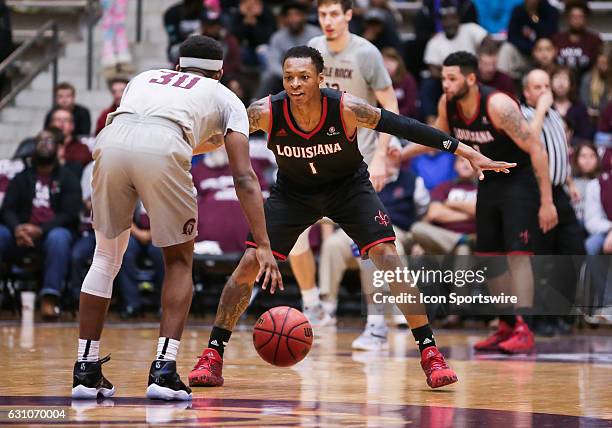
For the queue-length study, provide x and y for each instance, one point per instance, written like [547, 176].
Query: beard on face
[45, 157]
[461, 93]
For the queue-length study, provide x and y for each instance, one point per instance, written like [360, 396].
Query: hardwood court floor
[568, 383]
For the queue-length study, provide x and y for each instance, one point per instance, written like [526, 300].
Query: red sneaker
[207, 371]
[436, 369]
[491, 343]
[522, 340]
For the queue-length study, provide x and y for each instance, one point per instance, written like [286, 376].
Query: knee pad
[105, 265]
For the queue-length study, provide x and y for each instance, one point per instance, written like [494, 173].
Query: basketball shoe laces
[436, 362]
[205, 362]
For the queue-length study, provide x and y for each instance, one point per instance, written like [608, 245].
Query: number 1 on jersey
[312, 168]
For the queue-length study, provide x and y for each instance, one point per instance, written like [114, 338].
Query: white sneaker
[318, 316]
[373, 338]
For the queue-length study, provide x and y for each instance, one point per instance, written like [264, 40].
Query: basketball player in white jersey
[145, 152]
[353, 65]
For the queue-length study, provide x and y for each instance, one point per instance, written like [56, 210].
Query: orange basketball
[282, 336]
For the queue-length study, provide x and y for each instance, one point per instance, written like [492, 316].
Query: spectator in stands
[585, 167]
[392, 15]
[181, 21]
[116, 87]
[83, 249]
[377, 32]
[65, 99]
[220, 222]
[237, 86]
[253, 24]
[450, 222]
[434, 166]
[569, 105]
[6, 43]
[73, 152]
[139, 245]
[296, 31]
[598, 215]
[454, 37]
[427, 23]
[604, 129]
[116, 55]
[544, 54]
[488, 74]
[494, 15]
[530, 21]
[41, 212]
[212, 26]
[404, 84]
[597, 84]
[406, 199]
[577, 47]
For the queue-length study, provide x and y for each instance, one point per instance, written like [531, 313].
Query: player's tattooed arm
[506, 115]
[259, 115]
[358, 113]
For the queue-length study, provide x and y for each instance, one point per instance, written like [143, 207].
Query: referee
[567, 237]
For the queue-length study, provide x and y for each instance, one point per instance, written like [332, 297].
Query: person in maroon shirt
[488, 73]
[577, 47]
[41, 212]
[74, 152]
[404, 84]
[116, 87]
[568, 105]
[451, 218]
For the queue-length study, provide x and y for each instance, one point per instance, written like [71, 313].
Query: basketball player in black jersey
[509, 206]
[312, 133]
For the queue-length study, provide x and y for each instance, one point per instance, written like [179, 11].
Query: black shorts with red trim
[351, 202]
[507, 214]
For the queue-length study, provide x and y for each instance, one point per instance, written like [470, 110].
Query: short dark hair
[56, 109]
[293, 5]
[118, 79]
[201, 47]
[306, 52]
[346, 5]
[577, 4]
[56, 134]
[65, 85]
[467, 62]
[488, 47]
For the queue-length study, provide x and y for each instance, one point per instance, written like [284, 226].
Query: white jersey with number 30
[203, 107]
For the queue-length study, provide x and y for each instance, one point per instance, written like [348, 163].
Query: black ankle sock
[508, 319]
[424, 337]
[218, 339]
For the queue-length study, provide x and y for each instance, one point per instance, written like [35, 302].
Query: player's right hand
[547, 216]
[268, 269]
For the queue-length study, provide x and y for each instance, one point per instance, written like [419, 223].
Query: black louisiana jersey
[311, 159]
[479, 131]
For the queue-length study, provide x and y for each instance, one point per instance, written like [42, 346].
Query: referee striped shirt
[553, 137]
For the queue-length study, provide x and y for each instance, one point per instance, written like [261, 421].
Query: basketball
[282, 336]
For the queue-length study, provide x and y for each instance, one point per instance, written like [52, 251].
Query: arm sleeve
[413, 130]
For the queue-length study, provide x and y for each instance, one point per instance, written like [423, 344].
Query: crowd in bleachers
[431, 196]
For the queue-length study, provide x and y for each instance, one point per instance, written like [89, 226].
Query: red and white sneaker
[436, 368]
[522, 340]
[491, 343]
[207, 371]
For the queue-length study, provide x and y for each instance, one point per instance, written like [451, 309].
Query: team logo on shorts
[332, 132]
[382, 218]
[189, 226]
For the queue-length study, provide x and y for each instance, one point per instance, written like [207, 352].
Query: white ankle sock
[89, 350]
[167, 349]
[310, 298]
[376, 321]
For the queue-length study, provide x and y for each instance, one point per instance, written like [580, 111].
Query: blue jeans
[81, 252]
[594, 244]
[128, 275]
[56, 248]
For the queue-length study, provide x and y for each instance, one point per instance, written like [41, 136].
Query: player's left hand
[269, 269]
[378, 172]
[482, 163]
[547, 217]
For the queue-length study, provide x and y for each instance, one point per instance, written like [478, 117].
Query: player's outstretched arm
[359, 114]
[259, 115]
[506, 115]
[251, 201]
